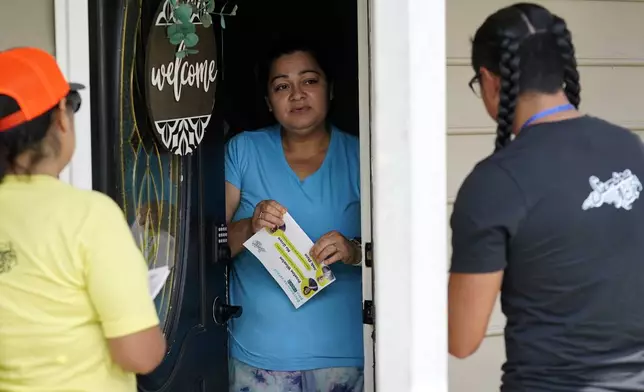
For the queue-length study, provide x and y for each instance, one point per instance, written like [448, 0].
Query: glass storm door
[161, 193]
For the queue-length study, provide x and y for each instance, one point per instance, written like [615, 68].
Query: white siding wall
[609, 38]
[27, 23]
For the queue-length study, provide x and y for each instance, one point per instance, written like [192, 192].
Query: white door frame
[409, 194]
[71, 21]
[408, 177]
[364, 107]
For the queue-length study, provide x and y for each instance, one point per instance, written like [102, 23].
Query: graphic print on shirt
[621, 191]
[8, 258]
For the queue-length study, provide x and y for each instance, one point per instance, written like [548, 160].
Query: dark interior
[240, 100]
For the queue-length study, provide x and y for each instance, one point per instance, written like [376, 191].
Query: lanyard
[547, 112]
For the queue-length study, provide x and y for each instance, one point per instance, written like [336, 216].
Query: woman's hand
[333, 247]
[269, 214]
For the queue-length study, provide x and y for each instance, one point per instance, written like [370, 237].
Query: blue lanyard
[547, 112]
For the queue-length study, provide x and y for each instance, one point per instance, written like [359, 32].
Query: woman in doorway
[75, 310]
[552, 219]
[309, 168]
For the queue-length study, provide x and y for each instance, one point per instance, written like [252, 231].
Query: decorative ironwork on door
[161, 191]
[149, 176]
[151, 198]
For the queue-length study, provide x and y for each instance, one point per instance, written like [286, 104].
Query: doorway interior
[332, 23]
[340, 29]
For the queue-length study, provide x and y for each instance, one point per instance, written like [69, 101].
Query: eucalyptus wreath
[182, 30]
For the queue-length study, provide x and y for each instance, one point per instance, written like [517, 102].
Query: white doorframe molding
[409, 201]
[71, 21]
[364, 107]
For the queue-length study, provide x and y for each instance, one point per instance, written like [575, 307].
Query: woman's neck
[23, 166]
[530, 104]
[309, 143]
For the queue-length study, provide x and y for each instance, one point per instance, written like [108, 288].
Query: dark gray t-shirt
[559, 211]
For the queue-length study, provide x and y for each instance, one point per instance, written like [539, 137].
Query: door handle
[222, 312]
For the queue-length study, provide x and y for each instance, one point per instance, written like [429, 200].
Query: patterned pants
[245, 378]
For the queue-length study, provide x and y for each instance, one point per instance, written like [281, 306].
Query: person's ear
[268, 103]
[62, 117]
[490, 91]
[331, 88]
[490, 85]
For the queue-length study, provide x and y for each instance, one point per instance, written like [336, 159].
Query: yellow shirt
[71, 276]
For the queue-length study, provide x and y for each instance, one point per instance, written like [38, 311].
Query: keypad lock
[221, 250]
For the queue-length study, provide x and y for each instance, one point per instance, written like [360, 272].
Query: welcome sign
[180, 91]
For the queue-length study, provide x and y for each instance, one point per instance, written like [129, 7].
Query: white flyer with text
[284, 252]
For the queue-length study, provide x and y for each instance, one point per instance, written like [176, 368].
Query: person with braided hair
[552, 220]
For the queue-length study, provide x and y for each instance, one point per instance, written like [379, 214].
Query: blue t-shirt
[326, 331]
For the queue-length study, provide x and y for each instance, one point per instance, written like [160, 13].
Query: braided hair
[510, 74]
[531, 50]
[567, 49]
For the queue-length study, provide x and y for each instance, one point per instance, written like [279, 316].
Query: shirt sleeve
[488, 209]
[235, 164]
[116, 273]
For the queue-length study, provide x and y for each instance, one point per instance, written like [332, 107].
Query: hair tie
[529, 25]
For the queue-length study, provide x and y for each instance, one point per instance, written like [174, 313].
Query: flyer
[284, 253]
[157, 278]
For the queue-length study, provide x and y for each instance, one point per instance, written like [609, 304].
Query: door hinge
[368, 312]
[368, 254]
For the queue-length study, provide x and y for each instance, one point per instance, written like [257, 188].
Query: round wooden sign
[180, 89]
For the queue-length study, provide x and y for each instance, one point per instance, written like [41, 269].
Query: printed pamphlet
[284, 252]
[157, 278]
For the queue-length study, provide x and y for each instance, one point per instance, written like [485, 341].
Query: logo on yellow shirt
[8, 258]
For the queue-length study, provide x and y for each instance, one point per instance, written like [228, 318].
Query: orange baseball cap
[33, 79]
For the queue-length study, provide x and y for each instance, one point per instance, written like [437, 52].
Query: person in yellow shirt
[76, 314]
